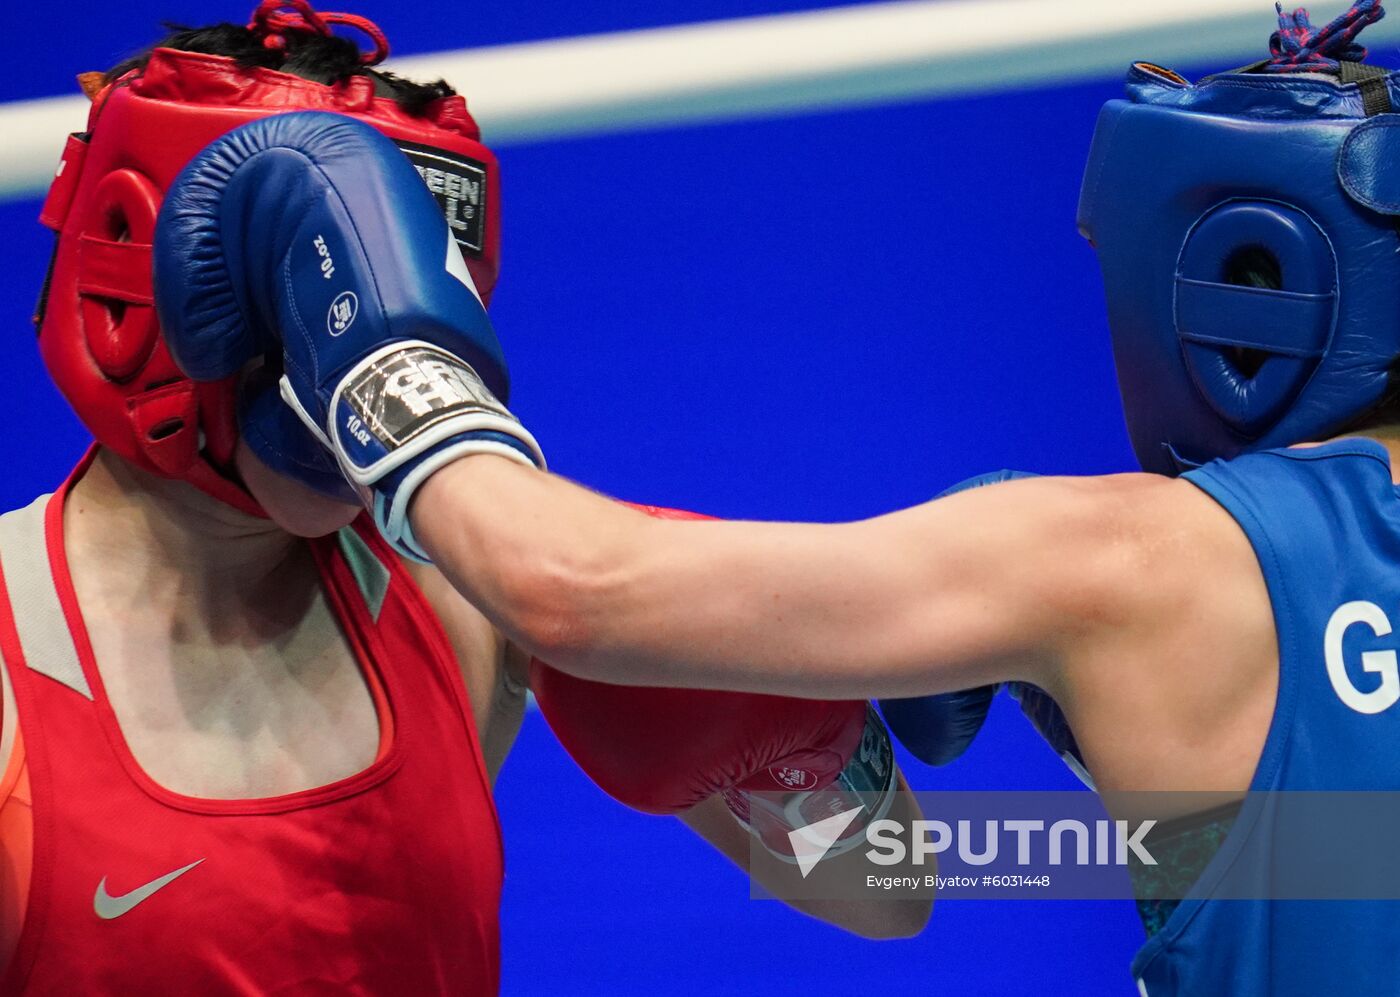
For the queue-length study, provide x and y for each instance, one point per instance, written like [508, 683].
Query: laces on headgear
[275, 19]
[1297, 46]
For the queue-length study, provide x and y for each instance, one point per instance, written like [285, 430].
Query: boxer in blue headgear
[1221, 623]
[1246, 232]
[1246, 229]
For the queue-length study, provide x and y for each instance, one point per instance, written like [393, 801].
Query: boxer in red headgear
[236, 761]
[97, 327]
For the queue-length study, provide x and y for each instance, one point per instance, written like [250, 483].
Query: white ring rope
[864, 54]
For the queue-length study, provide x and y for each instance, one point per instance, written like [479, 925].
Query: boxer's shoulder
[1189, 655]
[25, 567]
[1086, 555]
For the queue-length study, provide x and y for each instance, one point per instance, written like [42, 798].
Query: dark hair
[1386, 413]
[312, 56]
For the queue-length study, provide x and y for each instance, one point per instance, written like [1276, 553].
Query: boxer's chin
[299, 510]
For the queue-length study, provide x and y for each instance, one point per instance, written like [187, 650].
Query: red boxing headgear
[97, 327]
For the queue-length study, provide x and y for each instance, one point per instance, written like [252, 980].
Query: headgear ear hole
[113, 224]
[1250, 342]
[164, 430]
[120, 326]
[1253, 266]
[1247, 362]
[116, 310]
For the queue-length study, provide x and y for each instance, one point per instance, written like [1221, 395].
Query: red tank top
[387, 882]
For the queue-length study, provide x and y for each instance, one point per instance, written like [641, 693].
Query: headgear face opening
[1246, 228]
[98, 332]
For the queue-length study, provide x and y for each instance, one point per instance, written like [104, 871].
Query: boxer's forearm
[930, 599]
[608, 593]
[523, 548]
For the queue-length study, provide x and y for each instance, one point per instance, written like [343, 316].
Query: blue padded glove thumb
[276, 434]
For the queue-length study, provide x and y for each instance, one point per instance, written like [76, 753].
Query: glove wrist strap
[400, 414]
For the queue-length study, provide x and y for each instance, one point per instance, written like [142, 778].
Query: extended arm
[974, 588]
[1009, 582]
[1134, 600]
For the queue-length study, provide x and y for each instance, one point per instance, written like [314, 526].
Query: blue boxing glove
[273, 431]
[938, 729]
[310, 237]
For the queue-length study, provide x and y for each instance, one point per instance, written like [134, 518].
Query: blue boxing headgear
[1247, 232]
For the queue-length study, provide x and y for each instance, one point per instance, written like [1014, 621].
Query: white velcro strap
[411, 396]
[392, 517]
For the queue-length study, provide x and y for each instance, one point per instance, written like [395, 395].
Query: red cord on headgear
[273, 19]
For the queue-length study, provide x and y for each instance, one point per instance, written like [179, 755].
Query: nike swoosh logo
[108, 907]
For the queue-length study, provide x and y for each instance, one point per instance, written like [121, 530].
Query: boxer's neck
[126, 524]
[221, 659]
[1390, 439]
[1386, 436]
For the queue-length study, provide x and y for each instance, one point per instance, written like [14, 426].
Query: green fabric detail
[371, 575]
[1183, 848]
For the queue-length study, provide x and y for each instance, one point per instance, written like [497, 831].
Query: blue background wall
[817, 317]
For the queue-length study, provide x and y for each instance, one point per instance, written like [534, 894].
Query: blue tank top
[1325, 525]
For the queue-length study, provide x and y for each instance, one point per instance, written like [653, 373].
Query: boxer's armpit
[507, 708]
[494, 672]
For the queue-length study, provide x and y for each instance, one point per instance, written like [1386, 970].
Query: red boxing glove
[663, 751]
